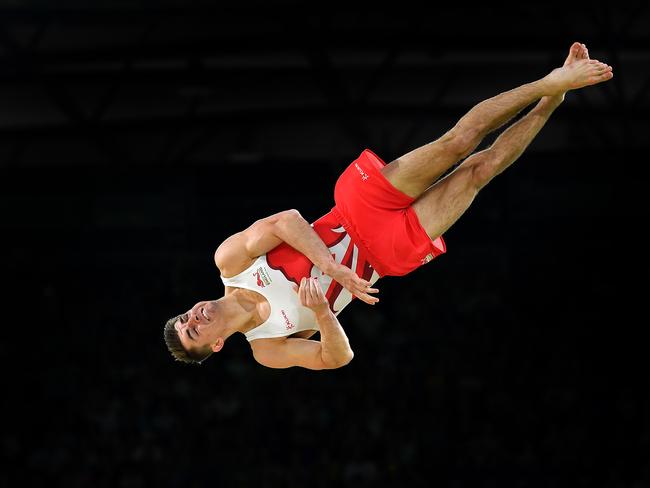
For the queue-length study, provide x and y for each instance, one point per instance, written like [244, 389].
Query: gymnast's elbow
[347, 357]
[342, 359]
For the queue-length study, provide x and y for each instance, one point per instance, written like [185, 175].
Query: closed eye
[189, 335]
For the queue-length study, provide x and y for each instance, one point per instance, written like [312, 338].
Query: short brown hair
[176, 348]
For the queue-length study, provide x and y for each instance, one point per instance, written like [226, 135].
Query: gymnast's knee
[462, 139]
[483, 168]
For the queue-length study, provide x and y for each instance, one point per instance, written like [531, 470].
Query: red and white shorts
[380, 218]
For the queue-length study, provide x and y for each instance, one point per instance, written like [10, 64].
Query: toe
[575, 48]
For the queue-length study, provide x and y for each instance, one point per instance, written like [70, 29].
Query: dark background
[135, 137]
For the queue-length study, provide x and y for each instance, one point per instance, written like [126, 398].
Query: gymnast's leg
[444, 202]
[417, 170]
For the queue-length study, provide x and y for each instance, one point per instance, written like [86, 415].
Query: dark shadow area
[132, 145]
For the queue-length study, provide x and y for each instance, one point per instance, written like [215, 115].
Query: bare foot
[578, 71]
[576, 51]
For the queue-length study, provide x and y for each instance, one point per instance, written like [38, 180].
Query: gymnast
[286, 279]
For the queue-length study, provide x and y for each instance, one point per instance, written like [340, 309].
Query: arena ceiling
[117, 84]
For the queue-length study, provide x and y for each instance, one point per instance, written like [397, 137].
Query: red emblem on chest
[259, 280]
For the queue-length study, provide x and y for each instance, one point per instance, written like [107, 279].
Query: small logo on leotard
[427, 258]
[261, 277]
[287, 321]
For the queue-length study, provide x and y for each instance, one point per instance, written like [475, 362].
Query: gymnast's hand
[312, 296]
[359, 288]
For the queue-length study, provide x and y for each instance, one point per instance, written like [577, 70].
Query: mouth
[204, 314]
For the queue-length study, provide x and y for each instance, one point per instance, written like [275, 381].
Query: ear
[218, 344]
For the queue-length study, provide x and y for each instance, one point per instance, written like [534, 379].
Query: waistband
[356, 238]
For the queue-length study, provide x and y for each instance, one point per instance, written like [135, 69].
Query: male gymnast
[286, 279]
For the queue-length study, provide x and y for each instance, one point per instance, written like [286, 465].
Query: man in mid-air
[285, 279]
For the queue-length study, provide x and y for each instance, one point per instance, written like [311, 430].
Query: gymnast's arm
[238, 251]
[333, 351]
[265, 234]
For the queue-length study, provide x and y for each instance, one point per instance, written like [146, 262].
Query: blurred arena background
[135, 137]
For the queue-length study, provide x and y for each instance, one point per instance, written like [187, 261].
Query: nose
[196, 316]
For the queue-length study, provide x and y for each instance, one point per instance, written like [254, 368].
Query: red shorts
[380, 218]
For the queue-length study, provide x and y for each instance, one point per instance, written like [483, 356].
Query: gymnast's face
[199, 329]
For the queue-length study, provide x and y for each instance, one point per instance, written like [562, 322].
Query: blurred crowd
[463, 375]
